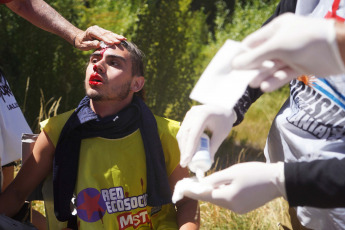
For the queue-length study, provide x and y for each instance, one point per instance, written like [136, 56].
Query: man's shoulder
[163, 121]
[58, 119]
[167, 126]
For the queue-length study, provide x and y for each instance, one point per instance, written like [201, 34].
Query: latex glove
[199, 118]
[297, 45]
[90, 39]
[240, 188]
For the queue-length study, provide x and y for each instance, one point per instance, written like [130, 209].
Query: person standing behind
[119, 160]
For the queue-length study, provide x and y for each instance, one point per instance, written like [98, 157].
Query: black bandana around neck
[84, 123]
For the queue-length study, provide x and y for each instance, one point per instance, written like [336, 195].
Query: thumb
[216, 179]
[88, 45]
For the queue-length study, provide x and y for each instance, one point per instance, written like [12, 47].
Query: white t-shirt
[311, 124]
[12, 124]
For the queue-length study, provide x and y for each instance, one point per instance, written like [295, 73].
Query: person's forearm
[188, 214]
[243, 104]
[8, 175]
[319, 183]
[10, 202]
[42, 15]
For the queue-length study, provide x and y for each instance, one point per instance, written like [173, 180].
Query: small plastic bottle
[201, 161]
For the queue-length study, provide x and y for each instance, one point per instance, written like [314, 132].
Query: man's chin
[95, 97]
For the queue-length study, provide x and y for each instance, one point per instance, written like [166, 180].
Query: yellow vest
[111, 183]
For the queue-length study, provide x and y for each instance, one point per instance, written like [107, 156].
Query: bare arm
[42, 15]
[188, 212]
[33, 171]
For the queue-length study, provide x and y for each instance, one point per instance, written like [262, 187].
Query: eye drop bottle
[201, 161]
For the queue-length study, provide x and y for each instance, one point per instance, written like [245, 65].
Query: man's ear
[137, 84]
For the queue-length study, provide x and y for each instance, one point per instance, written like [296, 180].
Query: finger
[253, 58]
[88, 45]
[220, 178]
[279, 79]
[260, 48]
[206, 196]
[181, 140]
[266, 32]
[98, 33]
[191, 138]
[182, 137]
[265, 72]
[259, 36]
[191, 187]
[215, 141]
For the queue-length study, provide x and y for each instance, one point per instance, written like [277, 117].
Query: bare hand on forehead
[90, 38]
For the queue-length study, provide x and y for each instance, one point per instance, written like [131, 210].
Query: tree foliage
[178, 37]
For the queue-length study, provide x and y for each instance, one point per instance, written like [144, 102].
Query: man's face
[109, 74]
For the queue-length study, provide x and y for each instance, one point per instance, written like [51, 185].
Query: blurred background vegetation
[179, 39]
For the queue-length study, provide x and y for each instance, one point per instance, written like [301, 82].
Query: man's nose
[98, 68]
[95, 68]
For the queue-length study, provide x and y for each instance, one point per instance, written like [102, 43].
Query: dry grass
[48, 109]
[266, 217]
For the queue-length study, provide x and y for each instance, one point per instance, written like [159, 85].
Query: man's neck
[110, 107]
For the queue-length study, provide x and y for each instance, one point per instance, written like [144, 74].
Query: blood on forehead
[104, 48]
[103, 51]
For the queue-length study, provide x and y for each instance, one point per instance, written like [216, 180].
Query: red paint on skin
[103, 51]
[95, 78]
[95, 68]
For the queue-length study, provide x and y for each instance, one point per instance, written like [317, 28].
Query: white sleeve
[12, 124]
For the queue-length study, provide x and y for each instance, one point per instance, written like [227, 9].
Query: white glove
[198, 119]
[297, 45]
[240, 188]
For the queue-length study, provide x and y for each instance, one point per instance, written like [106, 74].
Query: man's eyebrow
[109, 56]
[116, 56]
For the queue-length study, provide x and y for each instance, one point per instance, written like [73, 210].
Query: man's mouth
[95, 79]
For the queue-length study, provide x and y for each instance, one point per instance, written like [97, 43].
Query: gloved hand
[241, 188]
[297, 45]
[198, 119]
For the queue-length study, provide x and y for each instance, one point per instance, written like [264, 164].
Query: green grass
[255, 126]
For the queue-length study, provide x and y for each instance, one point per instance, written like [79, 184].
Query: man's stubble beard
[122, 95]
